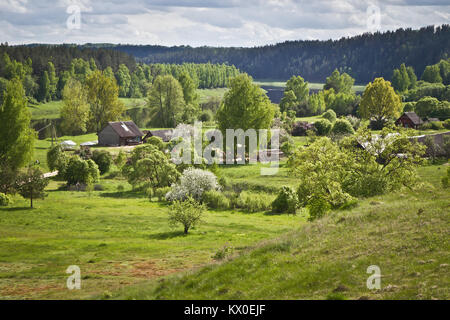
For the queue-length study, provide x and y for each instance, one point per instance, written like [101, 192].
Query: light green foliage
[317, 206]
[166, 102]
[161, 193]
[323, 127]
[103, 159]
[215, 200]
[157, 142]
[295, 95]
[120, 159]
[123, 80]
[245, 106]
[330, 115]
[446, 179]
[380, 102]
[286, 201]
[80, 171]
[254, 201]
[103, 98]
[16, 136]
[150, 167]
[432, 74]
[429, 107]
[5, 200]
[446, 124]
[80, 69]
[57, 159]
[187, 213]
[32, 184]
[75, 110]
[342, 127]
[316, 103]
[342, 103]
[339, 83]
[400, 78]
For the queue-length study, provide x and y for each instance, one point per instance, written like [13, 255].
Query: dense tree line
[364, 57]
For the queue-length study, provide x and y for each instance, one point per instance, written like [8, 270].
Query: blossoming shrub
[193, 182]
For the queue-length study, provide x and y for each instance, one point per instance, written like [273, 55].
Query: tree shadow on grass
[16, 209]
[167, 235]
[124, 194]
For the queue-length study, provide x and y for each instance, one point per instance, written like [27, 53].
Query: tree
[191, 97]
[340, 83]
[103, 98]
[286, 201]
[188, 213]
[57, 159]
[79, 171]
[75, 111]
[150, 167]
[380, 102]
[44, 88]
[123, 80]
[166, 101]
[16, 136]
[32, 184]
[429, 107]
[245, 106]
[432, 74]
[53, 80]
[295, 95]
[103, 160]
[330, 115]
[323, 127]
[342, 127]
[193, 183]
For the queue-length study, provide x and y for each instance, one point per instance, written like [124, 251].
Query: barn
[165, 135]
[120, 133]
[409, 120]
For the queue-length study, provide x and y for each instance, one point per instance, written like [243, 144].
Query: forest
[364, 57]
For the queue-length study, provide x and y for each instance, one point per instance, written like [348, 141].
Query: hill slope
[405, 234]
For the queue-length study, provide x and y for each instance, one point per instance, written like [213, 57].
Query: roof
[165, 135]
[433, 119]
[413, 117]
[126, 129]
[68, 143]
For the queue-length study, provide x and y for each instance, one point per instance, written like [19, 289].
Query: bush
[354, 121]
[254, 202]
[318, 207]
[446, 179]
[215, 200]
[323, 127]
[437, 125]
[224, 252]
[157, 142]
[206, 116]
[330, 115]
[4, 200]
[57, 159]
[103, 160]
[287, 148]
[193, 182]
[301, 127]
[286, 201]
[342, 127]
[80, 171]
[161, 193]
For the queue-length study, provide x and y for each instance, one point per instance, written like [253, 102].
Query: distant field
[205, 94]
[312, 86]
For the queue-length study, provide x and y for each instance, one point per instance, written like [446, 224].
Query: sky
[209, 22]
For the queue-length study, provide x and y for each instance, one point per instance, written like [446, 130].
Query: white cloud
[208, 22]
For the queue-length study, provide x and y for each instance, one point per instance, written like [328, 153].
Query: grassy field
[404, 233]
[116, 238]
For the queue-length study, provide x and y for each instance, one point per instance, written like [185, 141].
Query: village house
[120, 133]
[409, 120]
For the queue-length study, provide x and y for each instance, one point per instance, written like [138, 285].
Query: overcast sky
[208, 22]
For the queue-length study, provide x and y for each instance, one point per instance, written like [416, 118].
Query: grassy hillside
[405, 233]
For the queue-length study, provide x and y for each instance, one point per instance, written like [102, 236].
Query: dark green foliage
[342, 127]
[446, 179]
[103, 159]
[32, 184]
[429, 107]
[330, 115]
[215, 200]
[80, 171]
[286, 201]
[323, 127]
[206, 116]
[4, 200]
[317, 206]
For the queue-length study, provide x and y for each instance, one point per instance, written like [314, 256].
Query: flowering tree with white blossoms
[193, 183]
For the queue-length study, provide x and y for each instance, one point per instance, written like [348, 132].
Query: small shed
[165, 135]
[120, 133]
[409, 120]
